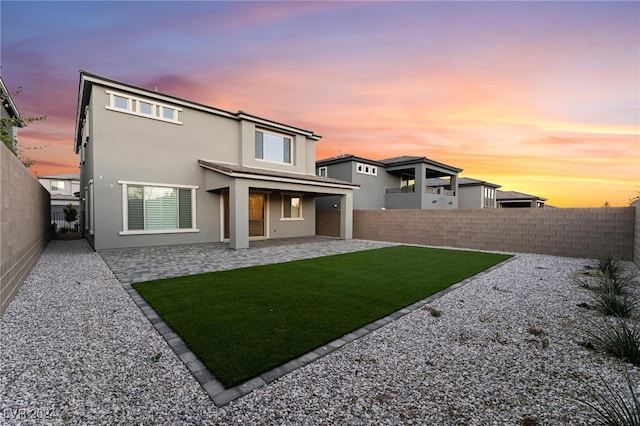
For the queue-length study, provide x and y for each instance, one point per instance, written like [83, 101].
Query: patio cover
[238, 179]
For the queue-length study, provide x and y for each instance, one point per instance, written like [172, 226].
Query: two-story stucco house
[393, 183]
[156, 169]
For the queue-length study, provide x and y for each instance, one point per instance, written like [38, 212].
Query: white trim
[91, 208]
[125, 211]
[323, 169]
[86, 208]
[164, 185]
[274, 162]
[159, 231]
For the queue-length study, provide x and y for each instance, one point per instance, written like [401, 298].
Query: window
[489, 198]
[120, 102]
[291, 206]
[366, 169]
[146, 108]
[272, 147]
[322, 171]
[57, 185]
[155, 208]
[142, 107]
[169, 114]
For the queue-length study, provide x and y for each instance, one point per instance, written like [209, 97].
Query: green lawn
[244, 322]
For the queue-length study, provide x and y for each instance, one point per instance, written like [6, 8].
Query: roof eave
[11, 106]
[87, 79]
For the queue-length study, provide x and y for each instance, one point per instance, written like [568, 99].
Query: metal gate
[63, 230]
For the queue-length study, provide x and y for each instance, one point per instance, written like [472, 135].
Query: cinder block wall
[24, 224]
[586, 232]
[636, 235]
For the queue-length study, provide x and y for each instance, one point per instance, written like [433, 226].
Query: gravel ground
[76, 350]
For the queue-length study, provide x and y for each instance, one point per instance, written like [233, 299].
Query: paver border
[221, 396]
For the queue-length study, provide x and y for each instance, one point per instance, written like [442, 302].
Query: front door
[256, 215]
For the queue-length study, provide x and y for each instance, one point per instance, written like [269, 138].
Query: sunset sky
[539, 97]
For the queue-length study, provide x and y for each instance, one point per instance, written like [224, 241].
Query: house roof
[516, 196]
[408, 159]
[343, 158]
[9, 105]
[461, 182]
[388, 162]
[266, 174]
[465, 181]
[70, 176]
[87, 79]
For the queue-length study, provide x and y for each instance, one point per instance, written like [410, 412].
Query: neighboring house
[393, 183]
[157, 170]
[9, 111]
[64, 190]
[513, 199]
[472, 193]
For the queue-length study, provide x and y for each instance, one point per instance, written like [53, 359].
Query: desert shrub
[617, 337]
[611, 408]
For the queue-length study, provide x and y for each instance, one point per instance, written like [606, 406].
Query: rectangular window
[366, 169]
[489, 198]
[142, 107]
[57, 185]
[120, 102]
[322, 171]
[272, 147]
[158, 208]
[146, 108]
[291, 206]
[169, 113]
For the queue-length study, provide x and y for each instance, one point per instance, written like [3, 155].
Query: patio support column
[346, 216]
[239, 214]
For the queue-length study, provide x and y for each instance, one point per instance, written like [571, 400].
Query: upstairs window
[273, 147]
[489, 197]
[57, 185]
[142, 107]
[366, 169]
[322, 171]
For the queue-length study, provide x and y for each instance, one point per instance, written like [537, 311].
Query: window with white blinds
[155, 208]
